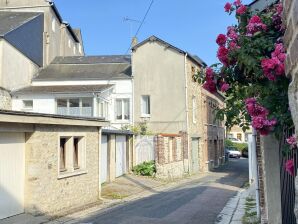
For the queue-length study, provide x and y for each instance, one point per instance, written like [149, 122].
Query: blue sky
[191, 25]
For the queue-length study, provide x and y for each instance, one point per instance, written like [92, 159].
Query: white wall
[16, 69]
[41, 104]
[46, 103]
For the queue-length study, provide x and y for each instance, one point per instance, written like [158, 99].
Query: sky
[191, 25]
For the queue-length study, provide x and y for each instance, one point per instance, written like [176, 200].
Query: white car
[235, 140]
[234, 153]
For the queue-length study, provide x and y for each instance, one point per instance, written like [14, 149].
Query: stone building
[169, 101]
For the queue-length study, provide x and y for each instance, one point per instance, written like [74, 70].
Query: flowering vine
[251, 72]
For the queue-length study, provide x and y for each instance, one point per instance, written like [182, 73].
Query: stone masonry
[45, 192]
[5, 100]
[291, 43]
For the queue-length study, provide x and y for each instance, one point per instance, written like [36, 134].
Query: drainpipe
[255, 166]
[186, 107]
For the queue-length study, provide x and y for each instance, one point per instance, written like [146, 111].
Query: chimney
[134, 42]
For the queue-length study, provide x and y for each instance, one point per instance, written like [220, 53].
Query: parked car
[233, 152]
[236, 140]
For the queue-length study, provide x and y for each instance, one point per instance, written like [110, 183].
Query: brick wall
[262, 186]
[170, 155]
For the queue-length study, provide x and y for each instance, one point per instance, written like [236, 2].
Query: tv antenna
[131, 22]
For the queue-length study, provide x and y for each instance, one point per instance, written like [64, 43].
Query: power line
[143, 20]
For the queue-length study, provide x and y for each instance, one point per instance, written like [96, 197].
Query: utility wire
[143, 20]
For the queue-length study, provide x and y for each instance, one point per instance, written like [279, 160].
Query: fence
[287, 182]
[144, 147]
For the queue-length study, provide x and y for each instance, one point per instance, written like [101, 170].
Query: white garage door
[12, 172]
[120, 155]
[104, 158]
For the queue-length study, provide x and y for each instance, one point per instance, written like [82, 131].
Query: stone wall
[5, 100]
[291, 43]
[170, 156]
[47, 193]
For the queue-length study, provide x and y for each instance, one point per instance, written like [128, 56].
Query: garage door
[12, 172]
[120, 155]
[104, 158]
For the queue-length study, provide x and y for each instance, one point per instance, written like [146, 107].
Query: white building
[94, 86]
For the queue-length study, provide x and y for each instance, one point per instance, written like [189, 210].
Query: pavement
[235, 209]
[140, 200]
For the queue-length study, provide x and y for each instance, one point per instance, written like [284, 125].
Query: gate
[144, 149]
[120, 155]
[104, 158]
[195, 155]
[287, 182]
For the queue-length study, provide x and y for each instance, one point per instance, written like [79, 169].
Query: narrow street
[197, 202]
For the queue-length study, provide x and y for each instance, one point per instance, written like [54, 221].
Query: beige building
[168, 100]
[236, 132]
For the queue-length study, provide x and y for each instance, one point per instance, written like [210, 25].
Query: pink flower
[255, 24]
[224, 87]
[292, 141]
[221, 39]
[222, 55]
[290, 167]
[228, 7]
[275, 66]
[209, 73]
[237, 3]
[232, 34]
[233, 46]
[210, 86]
[241, 10]
[279, 9]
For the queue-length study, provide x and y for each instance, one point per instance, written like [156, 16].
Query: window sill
[145, 116]
[66, 174]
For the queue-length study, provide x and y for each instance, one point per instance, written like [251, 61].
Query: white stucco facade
[47, 103]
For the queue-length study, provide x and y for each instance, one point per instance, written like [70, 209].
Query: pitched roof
[86, 68]
[154, 38]
[125, 59]
[10, 21]
[24, 31]
[63, 89]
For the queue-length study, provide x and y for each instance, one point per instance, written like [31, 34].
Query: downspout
[186, 108]
[255, 166]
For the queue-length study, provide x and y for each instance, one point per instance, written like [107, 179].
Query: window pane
[145, 104]
[62, 154]
[76, 153]
[87, 107]
[119, 109]
[62, 106]
[126, 109]
[74, 107]
[28, 104]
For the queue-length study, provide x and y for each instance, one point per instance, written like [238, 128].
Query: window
[75, 107]
[76, 153]
[72, 155]
[103, 109]
[239, 136]
[194, 109]
[122, 109]
[28, 104]
[145, 105]
[53, 25]
[62, 152]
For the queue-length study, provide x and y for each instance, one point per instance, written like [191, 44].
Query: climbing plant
[251, 72]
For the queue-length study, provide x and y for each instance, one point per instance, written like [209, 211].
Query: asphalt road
[197, 202]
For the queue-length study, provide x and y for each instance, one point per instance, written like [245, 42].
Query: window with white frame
[103, 109]
[72, 155]
[53, 24]
[28, 104]
[75, 107]
[194, 109]
[122, 109]
[145, 106]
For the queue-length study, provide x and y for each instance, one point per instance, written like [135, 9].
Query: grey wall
[159, 72]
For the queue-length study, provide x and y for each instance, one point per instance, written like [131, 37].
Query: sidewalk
[237, 207]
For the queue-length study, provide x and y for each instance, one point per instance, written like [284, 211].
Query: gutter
[186, 106]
